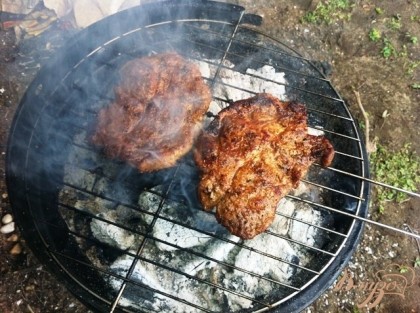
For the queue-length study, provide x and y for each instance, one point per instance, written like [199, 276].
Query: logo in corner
[393, 280]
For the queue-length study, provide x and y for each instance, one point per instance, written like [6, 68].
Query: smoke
[51, 153]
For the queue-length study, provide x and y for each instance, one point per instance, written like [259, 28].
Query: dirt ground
[357, 64]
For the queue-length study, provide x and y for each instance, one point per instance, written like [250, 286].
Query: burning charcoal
[266, 266]
[165, 281]
[176, 211]
[174, 233]
[217, 249]
[113, 235]
[281, 224]
[250, 82]
[150, 201]
[302, 231]
[177, 235]
[120, 267]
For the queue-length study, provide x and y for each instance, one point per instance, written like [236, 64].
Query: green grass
[403, 269]
[412, 39]
[396, 168]
[388, 49]
[415, 18]
[411, 66]
[395, 23]
[379, 11]
[329, 11]
[375, 35]
[415, 86]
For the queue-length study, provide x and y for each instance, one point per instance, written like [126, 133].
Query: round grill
[129, 242]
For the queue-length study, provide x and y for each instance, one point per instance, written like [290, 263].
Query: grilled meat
[251, 155]
[160, 103]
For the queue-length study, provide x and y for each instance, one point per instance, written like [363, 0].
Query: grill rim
[31, 229]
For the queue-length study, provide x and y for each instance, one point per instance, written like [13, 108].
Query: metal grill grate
[96, 222]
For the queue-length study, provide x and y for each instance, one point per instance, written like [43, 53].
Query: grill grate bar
[199, 230]
[141, 247]
[222, 60]
[299, 243]
[354, 216]
[332, 189]
[337, 134]
[233, 267]
[349, 155]
[408, 192]
[312, 225]
[296, 56]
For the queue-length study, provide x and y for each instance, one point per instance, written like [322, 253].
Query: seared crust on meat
[252, 154]
[160, 103]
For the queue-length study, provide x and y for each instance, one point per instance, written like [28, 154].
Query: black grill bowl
[56, 116]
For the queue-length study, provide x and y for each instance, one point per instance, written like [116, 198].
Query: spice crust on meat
[156, 116]
[252, 154]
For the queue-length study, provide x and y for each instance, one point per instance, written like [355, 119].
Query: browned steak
[251, 155]
[160, 103]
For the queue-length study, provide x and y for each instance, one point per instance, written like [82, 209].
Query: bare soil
[356, 65]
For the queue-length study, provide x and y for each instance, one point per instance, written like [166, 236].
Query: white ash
[184, 234]
[233, 85]
[178, 235]
[114, 235]
[242, 258]
[302, 231]
[172, 233]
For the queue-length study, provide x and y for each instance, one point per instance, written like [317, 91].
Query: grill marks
[252, 155]
[160, 103]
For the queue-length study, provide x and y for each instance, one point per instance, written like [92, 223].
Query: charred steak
[157, 114]
[251, 155]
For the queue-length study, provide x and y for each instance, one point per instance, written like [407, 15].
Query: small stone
[17, 249]
[8, 218]
[8, 228]
[30, 288]
[13, 238]
[4, 196]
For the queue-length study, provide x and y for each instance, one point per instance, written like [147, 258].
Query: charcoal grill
[61, 187]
